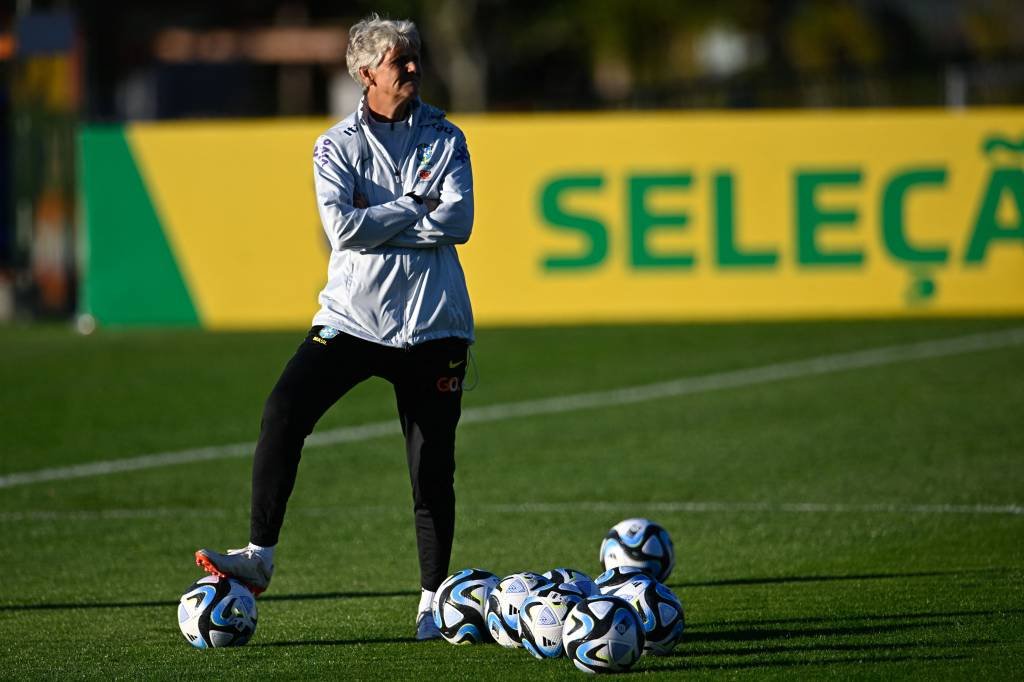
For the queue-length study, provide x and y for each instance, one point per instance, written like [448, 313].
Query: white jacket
[394, 277]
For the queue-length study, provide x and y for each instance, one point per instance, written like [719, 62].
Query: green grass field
[863, 522]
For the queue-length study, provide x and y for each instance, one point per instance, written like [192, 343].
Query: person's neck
[387, 112]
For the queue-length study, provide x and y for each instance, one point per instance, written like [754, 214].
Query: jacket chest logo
[425, 154]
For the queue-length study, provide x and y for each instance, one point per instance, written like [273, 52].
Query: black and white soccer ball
[503, 604]
[614, 578]
[540, 625]
[573, 577]
[217, 612]
[459, 604]
[641, 543]
[660, 611]
[603, 634]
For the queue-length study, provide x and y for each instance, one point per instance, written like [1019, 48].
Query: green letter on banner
[729, 254]
[893, 228]
[641, 222]
[987, 227]
[810, 218]
[591, 228]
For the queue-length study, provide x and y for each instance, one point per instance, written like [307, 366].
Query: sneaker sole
[203, 562]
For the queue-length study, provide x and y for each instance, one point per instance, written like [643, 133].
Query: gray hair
[370, 39]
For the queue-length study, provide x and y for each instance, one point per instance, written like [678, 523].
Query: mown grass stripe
[816, 366]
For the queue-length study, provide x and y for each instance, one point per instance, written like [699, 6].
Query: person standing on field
[394, 188]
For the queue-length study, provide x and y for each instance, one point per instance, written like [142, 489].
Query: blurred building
[66, 62]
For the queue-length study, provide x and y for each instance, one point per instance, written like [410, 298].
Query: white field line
[825, 364]
[537, 508]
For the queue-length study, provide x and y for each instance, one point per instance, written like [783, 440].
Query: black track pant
[428, 387]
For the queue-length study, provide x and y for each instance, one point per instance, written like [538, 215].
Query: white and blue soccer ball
[217, 612]
[660, 611]
[459, 604]
[614, 578]
[640, 543]
[571, 593]
[603, 634]
[571, 576]
[540, 625]
[502, 614]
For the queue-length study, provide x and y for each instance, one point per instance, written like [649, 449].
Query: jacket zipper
[404, 335]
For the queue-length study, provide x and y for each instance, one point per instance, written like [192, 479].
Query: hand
[431, 203]
[359, 201]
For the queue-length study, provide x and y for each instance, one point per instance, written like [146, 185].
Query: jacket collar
[363, 112]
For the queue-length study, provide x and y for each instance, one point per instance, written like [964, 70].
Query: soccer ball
[217, 612]
[540, 625]
[641, 543]
[603, 634]
[459, 604]
[573, 577]
[614, 578]
[570, 593]
[660, 612]
[637, 580]
[503, 604]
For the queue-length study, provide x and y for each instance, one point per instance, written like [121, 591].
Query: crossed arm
[449, 219]
[444, 217]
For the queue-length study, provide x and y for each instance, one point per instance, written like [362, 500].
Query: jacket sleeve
[348, 227]
[452, 221]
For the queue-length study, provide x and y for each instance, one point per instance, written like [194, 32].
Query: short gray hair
[370, 39]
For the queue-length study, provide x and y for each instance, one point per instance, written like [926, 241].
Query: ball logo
[448, 385]
[621, 628]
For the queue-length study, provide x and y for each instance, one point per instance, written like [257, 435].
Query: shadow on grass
[915, 615]
[771, 647]
[786, 579]
[762, 634]
[339, 642]
[62, 606]
[823, 647]
[859, 660]
[337, 595]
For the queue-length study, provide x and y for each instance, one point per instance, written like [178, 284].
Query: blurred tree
[832, 35]
[450, 28]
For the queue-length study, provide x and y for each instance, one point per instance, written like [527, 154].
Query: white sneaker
[426, 628]
[245, 565]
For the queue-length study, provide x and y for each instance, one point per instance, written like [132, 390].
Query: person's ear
[364, 73]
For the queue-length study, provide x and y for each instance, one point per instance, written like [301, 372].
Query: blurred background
[66, 64]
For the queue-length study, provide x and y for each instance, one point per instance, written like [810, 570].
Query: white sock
[426, 597]
[267, 553]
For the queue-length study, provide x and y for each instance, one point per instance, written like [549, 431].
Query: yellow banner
[632, 217]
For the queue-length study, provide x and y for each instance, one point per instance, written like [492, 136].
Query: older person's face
[397, 78]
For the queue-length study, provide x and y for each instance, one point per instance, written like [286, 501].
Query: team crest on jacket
[328, 333]
[425, 151]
